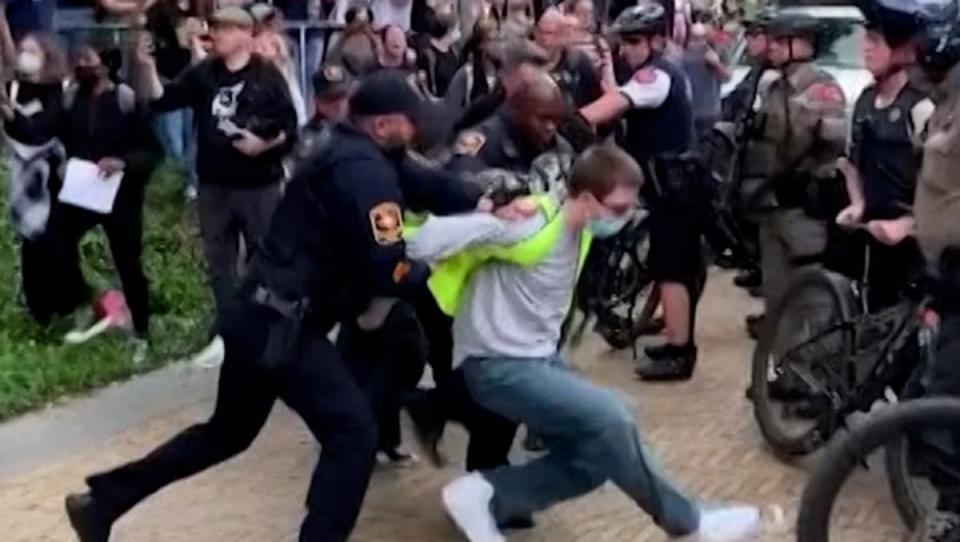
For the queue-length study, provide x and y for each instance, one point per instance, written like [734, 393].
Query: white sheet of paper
[85, 187]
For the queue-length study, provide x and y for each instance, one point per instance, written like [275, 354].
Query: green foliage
[36, 367]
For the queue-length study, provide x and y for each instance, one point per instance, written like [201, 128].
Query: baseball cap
[232, 16]
[332, 79]
[386, 92]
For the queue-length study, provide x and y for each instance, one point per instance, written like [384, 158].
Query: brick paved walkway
[702, 431]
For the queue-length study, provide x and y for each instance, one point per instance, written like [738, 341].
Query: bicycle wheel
[626, 296]
[807, 331]
[848, 452]
[912, 493]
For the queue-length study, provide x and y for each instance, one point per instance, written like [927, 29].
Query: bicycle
[823, 355]
[888, 430]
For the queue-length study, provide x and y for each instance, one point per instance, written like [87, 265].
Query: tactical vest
[450, 278]
[665, 130]
[885, 153]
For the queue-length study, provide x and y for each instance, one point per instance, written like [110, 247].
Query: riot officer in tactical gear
[889, 119]
[797, 137]
[654, 101]
[336, 242]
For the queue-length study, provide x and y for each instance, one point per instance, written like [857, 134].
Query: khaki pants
[787, 235]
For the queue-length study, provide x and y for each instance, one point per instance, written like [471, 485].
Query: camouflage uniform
[801, 133]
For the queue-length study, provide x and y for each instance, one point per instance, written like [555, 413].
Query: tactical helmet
[647, 18]
[758, 21]
[939, 46]
[790, 25]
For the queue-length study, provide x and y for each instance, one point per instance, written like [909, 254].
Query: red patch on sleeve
[823, 92]
[645, 76]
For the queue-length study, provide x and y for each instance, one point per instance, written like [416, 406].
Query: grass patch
[36, 367]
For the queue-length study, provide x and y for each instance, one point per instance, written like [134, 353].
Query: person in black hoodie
[246, 124]
[101, 123]
[31, 113]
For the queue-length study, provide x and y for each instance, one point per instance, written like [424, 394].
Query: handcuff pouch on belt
[285, 334]
[680, 179]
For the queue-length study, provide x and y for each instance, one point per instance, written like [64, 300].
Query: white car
[844, 59]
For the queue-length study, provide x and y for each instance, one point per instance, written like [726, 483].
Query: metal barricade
[79, 25]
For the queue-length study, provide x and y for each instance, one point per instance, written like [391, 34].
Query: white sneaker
[728, 524]
[211, 356]
[467, 502]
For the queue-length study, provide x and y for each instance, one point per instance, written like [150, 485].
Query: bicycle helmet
[647, 18]
[939, 48]
[758, 22]
[899, 21]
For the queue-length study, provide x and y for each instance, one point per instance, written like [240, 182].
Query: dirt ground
[702, 431]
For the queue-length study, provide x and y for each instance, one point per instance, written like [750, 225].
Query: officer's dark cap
[332, 80]
[386, 92]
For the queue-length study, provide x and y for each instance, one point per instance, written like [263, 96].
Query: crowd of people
[431, 198]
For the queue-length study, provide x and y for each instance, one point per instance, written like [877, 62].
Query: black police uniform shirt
[665, 128]
[885, 147]
[255, 98]
[497, 143]
[337, 234]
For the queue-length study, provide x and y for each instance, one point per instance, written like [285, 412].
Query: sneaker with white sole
[467, 503]
[728, 524]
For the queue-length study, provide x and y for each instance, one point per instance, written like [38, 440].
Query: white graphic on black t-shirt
[224, 107]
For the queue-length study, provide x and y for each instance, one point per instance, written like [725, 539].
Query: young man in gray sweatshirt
[508, 316]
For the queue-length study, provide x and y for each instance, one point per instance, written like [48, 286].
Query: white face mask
[29, 63]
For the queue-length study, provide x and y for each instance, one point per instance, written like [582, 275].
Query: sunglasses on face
[633, 40]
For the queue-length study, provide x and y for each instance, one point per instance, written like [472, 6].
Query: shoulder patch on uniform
[386, 221]
[825, 92]
[469, 143]
[645, 76]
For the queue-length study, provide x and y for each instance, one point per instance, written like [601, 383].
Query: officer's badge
[469, 143]
[333, 74]
[895, 114]
[386, 221]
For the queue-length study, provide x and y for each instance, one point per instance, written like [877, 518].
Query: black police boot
[754, 325]
[88, 518]
[751, 278]
[427, 426]
[668, 363]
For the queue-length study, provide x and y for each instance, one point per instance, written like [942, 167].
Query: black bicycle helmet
[899, 21]
[647, 18]
[939, 48]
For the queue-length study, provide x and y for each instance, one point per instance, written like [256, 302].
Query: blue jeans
[591, 436]
[175, 131]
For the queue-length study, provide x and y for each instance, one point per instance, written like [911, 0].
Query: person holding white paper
[102, 125]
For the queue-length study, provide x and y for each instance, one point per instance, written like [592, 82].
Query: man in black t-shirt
[245, 125]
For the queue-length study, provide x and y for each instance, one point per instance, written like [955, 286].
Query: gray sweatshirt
[507, 310]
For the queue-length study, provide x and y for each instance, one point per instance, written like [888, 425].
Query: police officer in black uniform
[335, 242]
[332, 85]
[525, 127]
[654, 101]
[889, 119]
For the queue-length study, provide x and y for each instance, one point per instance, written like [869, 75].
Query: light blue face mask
[607, 226]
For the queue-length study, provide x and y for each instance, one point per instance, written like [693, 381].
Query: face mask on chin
[607, 226]
[87, 76]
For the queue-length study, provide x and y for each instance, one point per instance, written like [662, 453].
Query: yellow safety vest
[450, 278]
